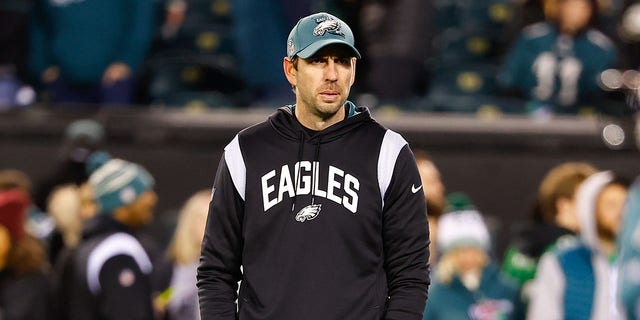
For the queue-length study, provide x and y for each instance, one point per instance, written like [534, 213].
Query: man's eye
[345, 61]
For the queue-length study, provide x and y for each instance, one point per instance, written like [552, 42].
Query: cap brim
[314, 47]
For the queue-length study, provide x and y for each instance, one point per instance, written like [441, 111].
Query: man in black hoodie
[318, 211]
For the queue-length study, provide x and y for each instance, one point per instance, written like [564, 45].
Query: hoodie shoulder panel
[235, 162]
[392, 143]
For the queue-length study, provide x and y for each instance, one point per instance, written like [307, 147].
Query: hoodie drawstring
[316, 156]
[297, 172]
[314, 170]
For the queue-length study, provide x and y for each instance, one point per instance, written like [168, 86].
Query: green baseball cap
[313, 32]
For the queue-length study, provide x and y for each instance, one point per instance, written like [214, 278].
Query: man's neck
[316, 122]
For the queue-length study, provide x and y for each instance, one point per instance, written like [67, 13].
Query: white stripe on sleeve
[389, 151]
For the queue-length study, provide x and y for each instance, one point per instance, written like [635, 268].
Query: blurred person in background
[555, 64]
[397, 37]
[89, 52]
[180, 300]
[577, 279]
[434, 192]
[553, 215]
[467, 282]
[69, 206]
[260, 29]
[24, 286]
[108, 275]
[629, 256]
[81, 138]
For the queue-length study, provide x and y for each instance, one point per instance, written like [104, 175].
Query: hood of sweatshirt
[287, 125]
[586, 197]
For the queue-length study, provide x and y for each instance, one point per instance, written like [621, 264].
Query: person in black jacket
[24, 289]
[108, 276]
[318, 210]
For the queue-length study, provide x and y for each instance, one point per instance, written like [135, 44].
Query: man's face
[609, 210]
[323, 81]
[141, 211]
[433, 187]
[574, 15]
[469, 259]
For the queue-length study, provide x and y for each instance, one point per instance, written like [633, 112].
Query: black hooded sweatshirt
[351, 243]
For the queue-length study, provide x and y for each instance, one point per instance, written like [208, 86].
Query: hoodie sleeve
[406, 240]
[547, 291]
[220, 260]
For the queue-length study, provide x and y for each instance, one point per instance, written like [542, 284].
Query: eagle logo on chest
[309, 212]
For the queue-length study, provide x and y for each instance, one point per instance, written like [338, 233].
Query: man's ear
[290, 71]
[353, 72]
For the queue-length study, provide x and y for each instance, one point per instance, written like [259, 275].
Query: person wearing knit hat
[117, 183]
[23, 279]
[467, 282]
[108, 275]
[13, 211]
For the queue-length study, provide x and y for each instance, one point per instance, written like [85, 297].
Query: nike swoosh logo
[415, 189]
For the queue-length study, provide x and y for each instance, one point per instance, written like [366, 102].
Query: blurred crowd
[488, 57]
[73, 245]
[573, 257]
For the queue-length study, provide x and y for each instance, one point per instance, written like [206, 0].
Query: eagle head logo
[309, 212]
[327, 24]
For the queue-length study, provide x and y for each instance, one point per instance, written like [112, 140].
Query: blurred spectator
[555, 64]
[576, 279]
[23, 267]
[108, 275]
[397, 41]
[69, 206]
[553, 215]
[629, 256]
[36, 224]
[260, 28]
[81, 138]
[14, 92]
[89, 52]
[434, 191]
[181, 299]
[468, 284]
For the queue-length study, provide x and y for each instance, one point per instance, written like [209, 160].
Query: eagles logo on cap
[327, 24]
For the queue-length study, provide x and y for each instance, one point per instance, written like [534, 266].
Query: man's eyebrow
[335, 56]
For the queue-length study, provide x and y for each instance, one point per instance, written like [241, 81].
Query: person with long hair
[180, 300]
